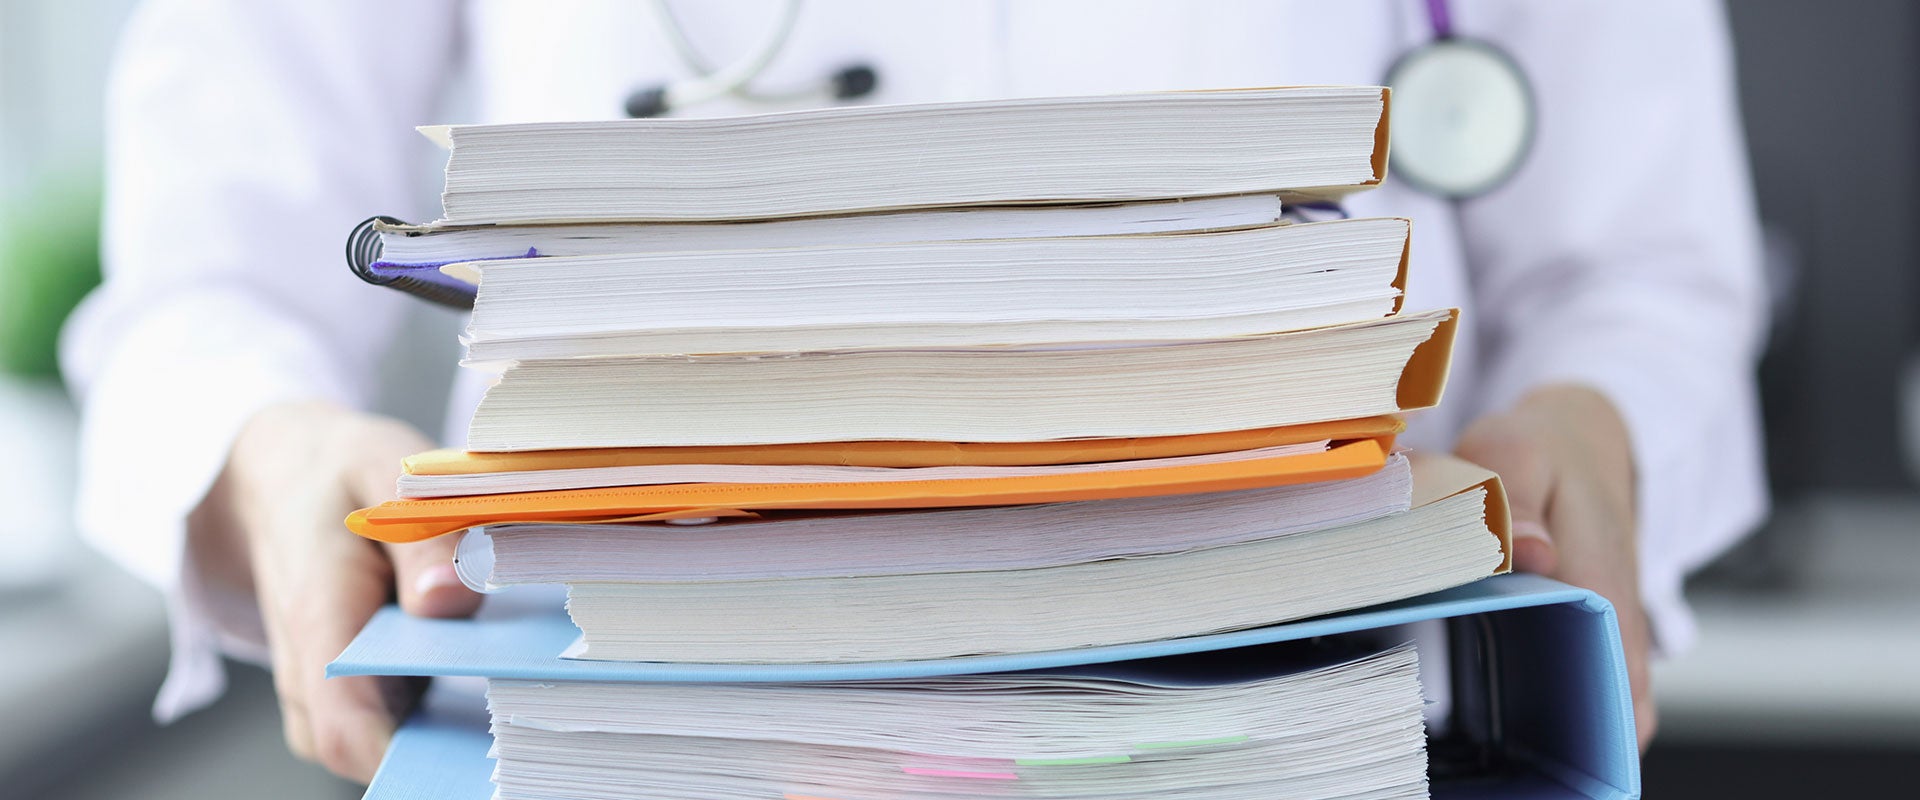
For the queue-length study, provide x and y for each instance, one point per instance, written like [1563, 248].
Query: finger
[350, 720]
[1646, 716]
[1595, 535]
[1645, 720]
[290, 688]
[1636, 640]
[352, 723]
[426, 581]
[289, 683]
[1502, 444]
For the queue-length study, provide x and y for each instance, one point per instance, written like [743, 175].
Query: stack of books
[839, 426]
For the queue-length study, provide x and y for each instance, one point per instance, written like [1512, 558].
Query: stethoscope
[1463, 111]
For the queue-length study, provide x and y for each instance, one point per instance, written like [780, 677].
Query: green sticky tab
[1192, 743]
[1070, 762]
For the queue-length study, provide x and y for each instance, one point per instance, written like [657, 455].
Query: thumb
[426, 582]
[423, 574]
[1501, 445]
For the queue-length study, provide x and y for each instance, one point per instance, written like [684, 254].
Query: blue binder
[1541, 686]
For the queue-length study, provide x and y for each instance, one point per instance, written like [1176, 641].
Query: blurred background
[1805, 679]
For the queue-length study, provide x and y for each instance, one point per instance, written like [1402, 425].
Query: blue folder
[1555, 719]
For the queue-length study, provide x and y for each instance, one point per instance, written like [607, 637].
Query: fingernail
[1528, 529]
[435, 578]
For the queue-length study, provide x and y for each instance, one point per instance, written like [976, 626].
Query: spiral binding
[363, 252]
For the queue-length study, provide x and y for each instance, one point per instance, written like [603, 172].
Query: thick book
[405, 246]
[1538, 687]
[843, 545]
[387, 252]
[914, 294]
[1454, 532]
[1304, 143]
[1005, 394]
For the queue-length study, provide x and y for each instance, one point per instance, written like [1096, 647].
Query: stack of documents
[1300, 719]
[900, 384]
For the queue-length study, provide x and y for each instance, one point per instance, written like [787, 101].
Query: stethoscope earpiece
[710, 81]
[855, 82]
[647, 102]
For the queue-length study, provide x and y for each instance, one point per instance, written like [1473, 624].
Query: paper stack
[1303, 721]
[1043, 400]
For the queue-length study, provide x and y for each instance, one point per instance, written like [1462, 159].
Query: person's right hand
[1564, 453]
[273, 522]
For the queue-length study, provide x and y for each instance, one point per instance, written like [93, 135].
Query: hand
[273, 524]
[1564, 456]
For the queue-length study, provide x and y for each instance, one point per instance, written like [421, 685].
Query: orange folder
[419, 519]
[908, 454]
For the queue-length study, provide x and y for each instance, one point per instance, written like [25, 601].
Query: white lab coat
[246, 138]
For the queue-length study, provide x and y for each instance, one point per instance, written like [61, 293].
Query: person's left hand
[1564, 456]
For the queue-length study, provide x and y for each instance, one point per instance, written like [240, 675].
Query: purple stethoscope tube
[1440, 15]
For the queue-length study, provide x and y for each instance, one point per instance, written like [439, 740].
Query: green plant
[49, 260]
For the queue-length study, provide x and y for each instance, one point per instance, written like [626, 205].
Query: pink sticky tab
[960, 773]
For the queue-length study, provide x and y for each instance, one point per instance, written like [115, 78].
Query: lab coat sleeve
[1625, 255]
[244, 140]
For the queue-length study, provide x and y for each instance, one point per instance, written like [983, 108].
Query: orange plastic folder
[907, 455]
[420, 519]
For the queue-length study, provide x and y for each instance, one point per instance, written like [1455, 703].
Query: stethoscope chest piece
[1462, 117]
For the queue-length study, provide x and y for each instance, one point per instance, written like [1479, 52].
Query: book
[1540, 699]
[435, 245]
[840, 545]
[1014, 393]
[385, 251]
[1455, 532]
[1303, 143]
[916, 294]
